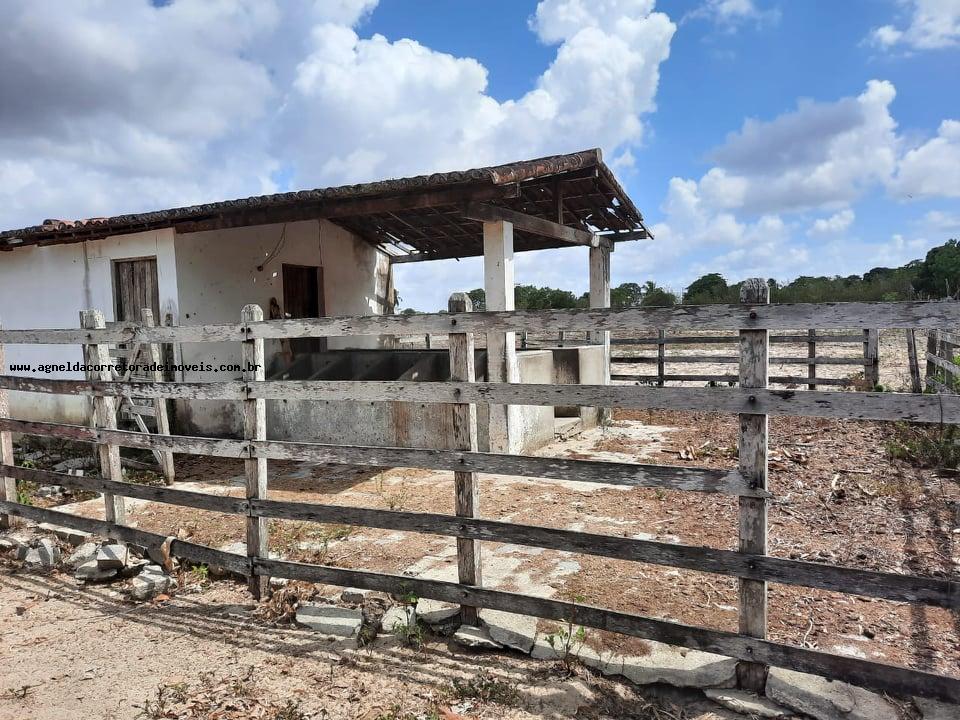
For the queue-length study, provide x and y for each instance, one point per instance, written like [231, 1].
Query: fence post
[933, 337]
[467, 484]
[946, 351]
[661, 356]
[103, 413]
[159, 404]
[754, 366]
[8, 485]
[812, 353]
[915, 384]
[255, 428]
[600, 298]
[871, 357]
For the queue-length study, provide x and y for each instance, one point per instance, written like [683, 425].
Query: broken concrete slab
[935, 710]
[477, 638]
[398, 616]
[90, 571]
[826, 699]
[31, 558]
[49, 552]
[112, 557]
[85, 552]
[511, 630]
[608, 663]
[7, 544]
[355, 596]
[68, 535]
[435, 612]
[148, 584]
[680, 667]
[331, 620]
[747, 703]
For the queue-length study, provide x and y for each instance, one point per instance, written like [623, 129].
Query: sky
[758, 137]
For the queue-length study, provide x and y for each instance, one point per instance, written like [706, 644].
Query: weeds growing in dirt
[410, 633]
[925, 446]
[567, 640]
[486, 688]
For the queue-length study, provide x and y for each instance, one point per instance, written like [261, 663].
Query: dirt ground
[839, 498]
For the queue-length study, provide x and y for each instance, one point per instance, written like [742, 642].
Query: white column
[501, 347]
[600, 298]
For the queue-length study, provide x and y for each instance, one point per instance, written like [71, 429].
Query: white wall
[218, 274]
[47, 287]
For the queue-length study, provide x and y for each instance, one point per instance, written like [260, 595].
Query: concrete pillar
[501, 347]
[600, 298]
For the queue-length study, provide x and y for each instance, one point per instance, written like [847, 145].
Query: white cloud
[730, 14]
[933, 168]
[938, 221]
[834, 224]
[932, 25]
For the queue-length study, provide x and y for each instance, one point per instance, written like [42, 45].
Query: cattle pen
[752, 400]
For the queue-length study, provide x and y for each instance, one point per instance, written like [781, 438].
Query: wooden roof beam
[483, 212]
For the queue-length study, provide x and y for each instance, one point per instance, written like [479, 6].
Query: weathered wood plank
[159, 404]
[8, 485]
[752, 447]
[103, 414]
[733, 339]
[760, 567]
[592, 471]
[851, 405]
[733, 359]
[946, 365]
[185, 498]
[826, 316]
[255, 429]
[464, 437]
[877, 676]
[482, 212]
[912, 362]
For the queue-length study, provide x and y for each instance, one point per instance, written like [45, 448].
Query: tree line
[936, 276]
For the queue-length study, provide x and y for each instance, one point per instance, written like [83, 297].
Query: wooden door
[303, 298]
[135, 288]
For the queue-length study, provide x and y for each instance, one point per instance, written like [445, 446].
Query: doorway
[303, 298]
[135, 287]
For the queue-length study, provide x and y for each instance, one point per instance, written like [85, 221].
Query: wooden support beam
[159, 404]
[255, 428]
[467, 484]
[915, 384]
[600, 298]
[754, 352]
[538, 226]
[103, 414]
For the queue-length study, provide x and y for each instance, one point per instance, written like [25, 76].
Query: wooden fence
[752, 401]
[942, 372]
[813, 339]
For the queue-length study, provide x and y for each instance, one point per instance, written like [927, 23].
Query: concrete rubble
[330, 619]
[38, 553]
[398, 615]
[826, 699]
[477, 638]
[149, 583]
[747, 703]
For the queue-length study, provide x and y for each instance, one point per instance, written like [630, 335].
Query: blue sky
[759, 137]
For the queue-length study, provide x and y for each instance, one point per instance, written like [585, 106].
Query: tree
[711, 288]
[626, 295]
[939, 275]
[408, 311]
[478, 296]
[656, 296]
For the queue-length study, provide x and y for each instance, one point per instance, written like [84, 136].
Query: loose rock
[148, 584]
[934, 710]
[86, 552]
[680, 667]
[475, 637]
[112, 557]
[746, 703]
[511, 630]
[91, 571]
[435, 612]
[398, 615]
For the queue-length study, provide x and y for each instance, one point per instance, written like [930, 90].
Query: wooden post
[754, 361]
[871, 357]
[661, 356]
[103, 414]
[947, 351]
[428, 341]
[8, 485]
[465, 438]
[812, 353]
[159, 404]
[501, 346]
[933, 337]
[255, 428]
[915, 384]
[523, 340]
[600, 298]
[561, 337]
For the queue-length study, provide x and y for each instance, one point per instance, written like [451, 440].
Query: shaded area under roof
[420, 217]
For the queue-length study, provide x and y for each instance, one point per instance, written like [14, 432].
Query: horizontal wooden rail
[810, 403]
[185, 498]
[591, 471]
[732, 359]
[200, 554]
[778, 379]
[890, 586]
[878, 676]
[949, 337]
[917, 315]
[734, 339]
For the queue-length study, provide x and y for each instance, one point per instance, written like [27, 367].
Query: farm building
[319, 253]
